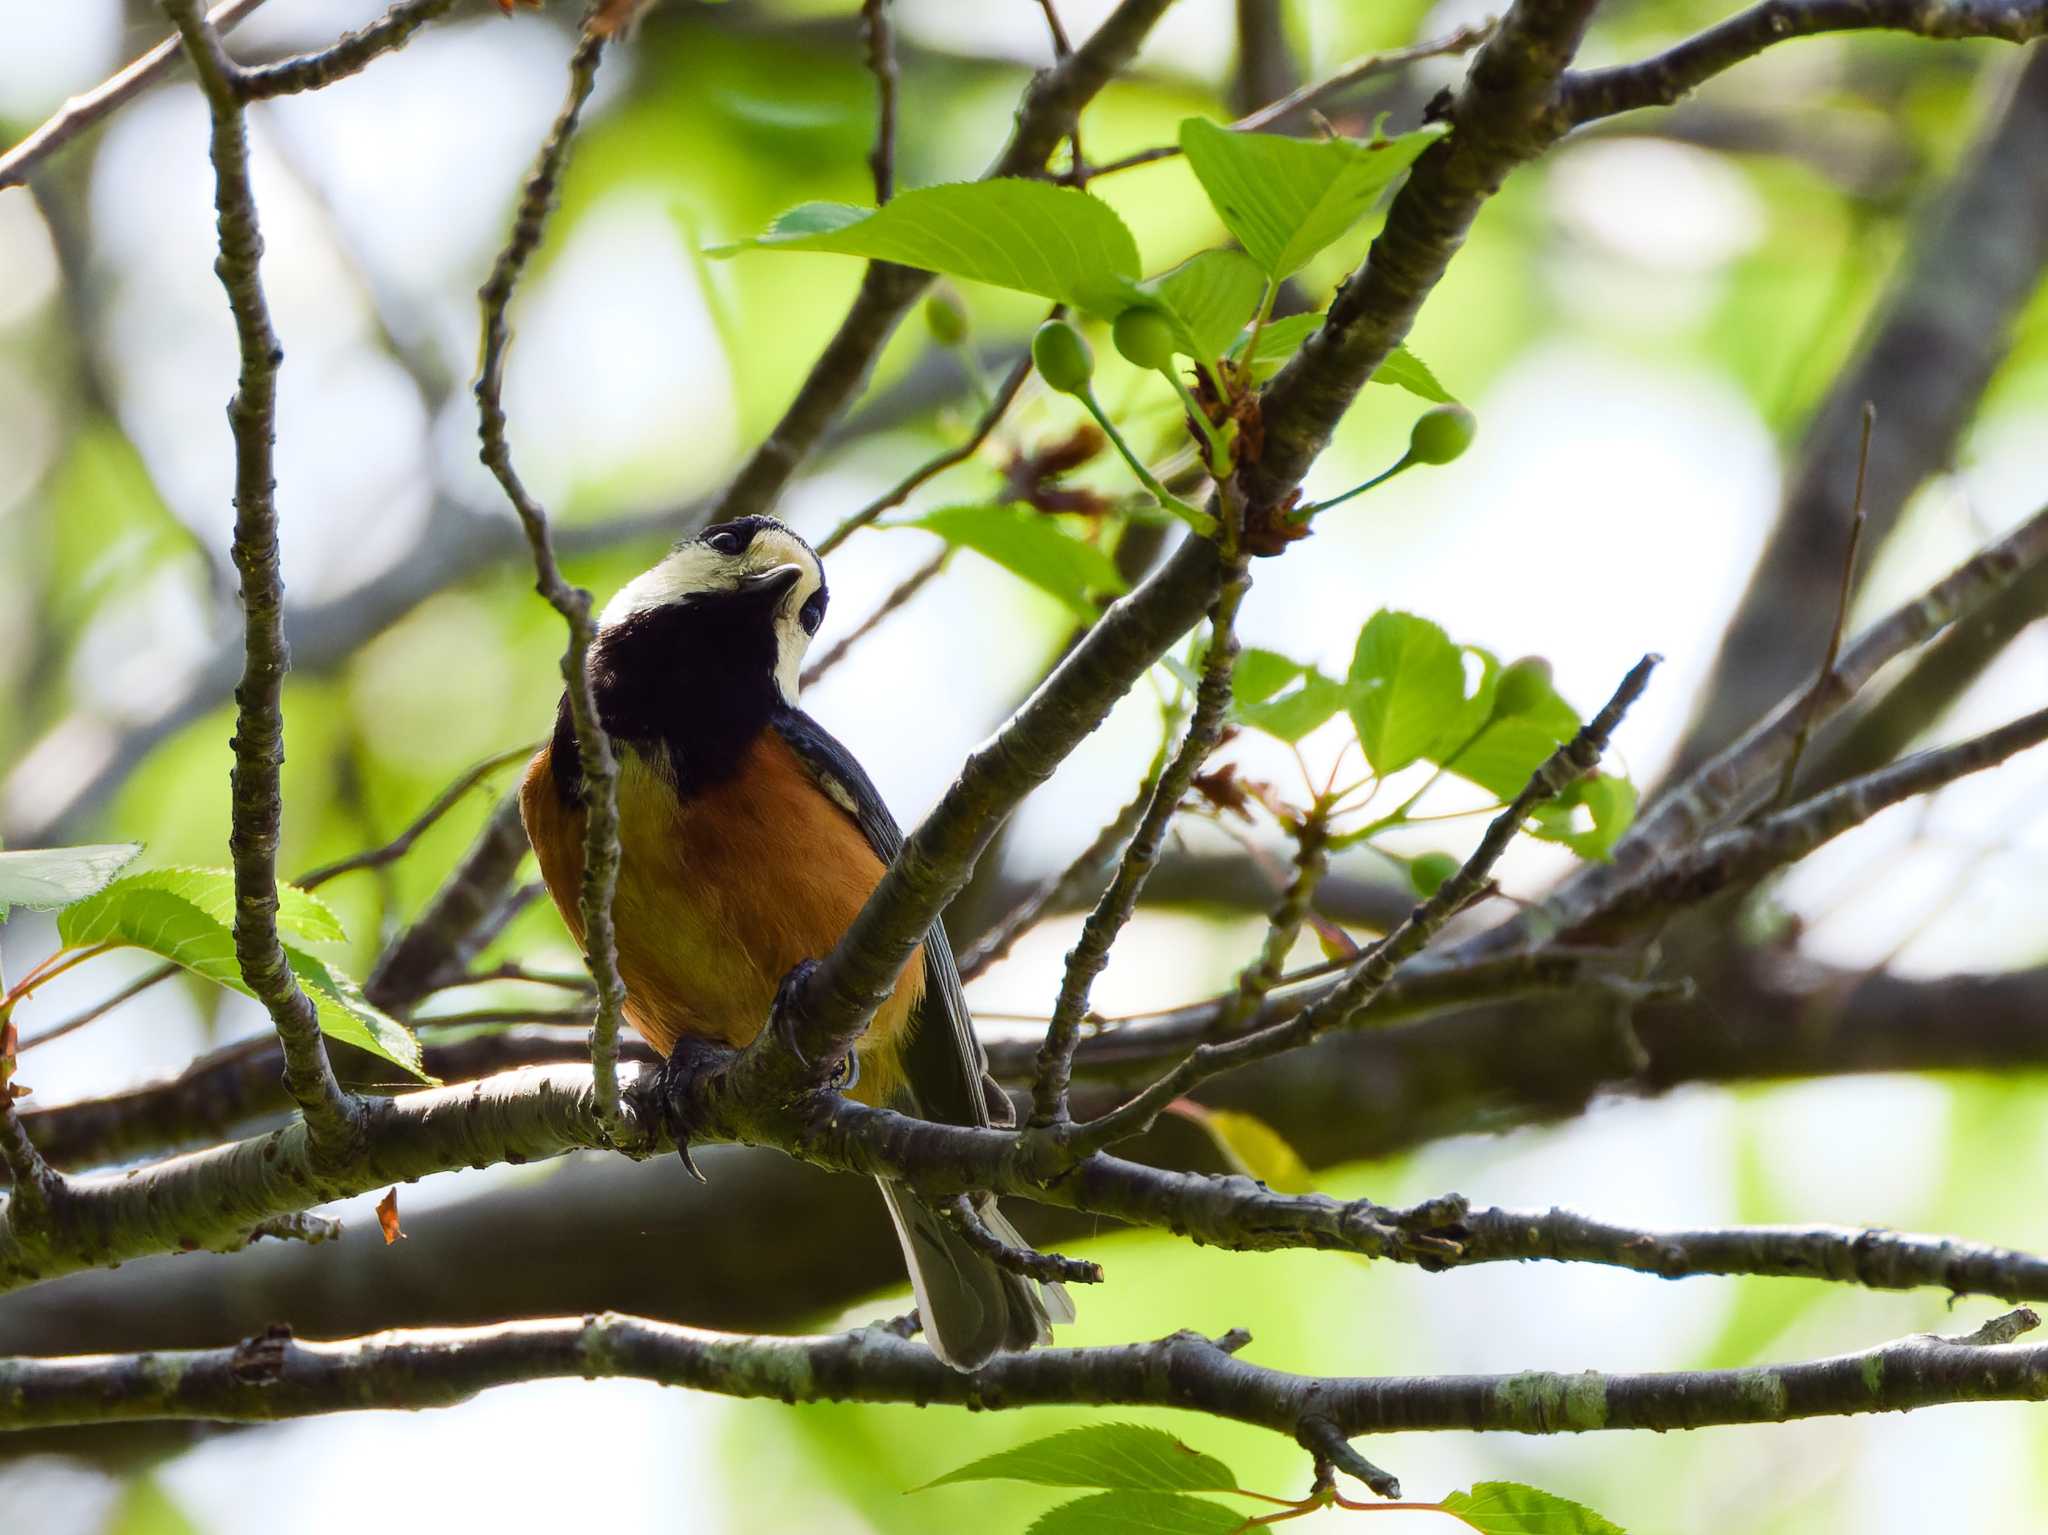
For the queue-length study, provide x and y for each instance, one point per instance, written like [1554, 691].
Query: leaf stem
[1193, 516]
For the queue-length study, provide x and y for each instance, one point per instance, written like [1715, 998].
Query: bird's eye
[728, 540]
[812, 613]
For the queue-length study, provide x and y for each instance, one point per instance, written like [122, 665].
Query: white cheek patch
[692, 568]
[770, 548]
[696, 569]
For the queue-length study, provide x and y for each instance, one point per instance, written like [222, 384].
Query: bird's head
[743, 597]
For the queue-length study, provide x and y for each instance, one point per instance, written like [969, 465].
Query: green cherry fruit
[1145, 339]
[1442, 433]
[1428, 873]
[946, 317]
[1523, 686]
[1062, 357]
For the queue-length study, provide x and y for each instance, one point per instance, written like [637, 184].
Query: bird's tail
[970, 1308]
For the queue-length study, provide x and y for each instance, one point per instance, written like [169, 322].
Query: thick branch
[257, 795]
[275, 1376]
[1500, 118]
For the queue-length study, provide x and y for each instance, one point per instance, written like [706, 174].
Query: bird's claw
[782, 1017]
[690, 1060]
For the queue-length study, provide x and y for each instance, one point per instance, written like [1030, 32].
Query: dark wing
[944, 1061]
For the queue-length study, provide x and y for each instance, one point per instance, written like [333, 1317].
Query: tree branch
[593, 746]
[352, 53]
[1376, 968]
[1113, 910]
[256, 792]
[83, 111]
[1925, 358]
[1675, 73]
[1683, 813]
[273, 1376]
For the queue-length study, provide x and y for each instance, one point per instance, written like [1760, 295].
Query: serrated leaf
[1259, 1150]
[45, 878]
[1286, 198]
[300, 913]
[1138, 1513]
[141, 912]
[1031, 236]
[1029, 545]
[1260, 674]
[1124, 1456]
[1295, 713]
[1404, 370]
[1208, 298]
[1514, 1508]
[1409, 689]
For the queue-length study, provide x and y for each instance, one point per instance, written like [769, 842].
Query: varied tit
[749, 838]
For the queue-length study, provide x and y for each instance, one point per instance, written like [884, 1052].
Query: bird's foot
[676, 1083]
[786, 1027]
[783, 1017]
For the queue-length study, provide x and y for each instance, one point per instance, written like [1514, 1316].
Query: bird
[749, 838]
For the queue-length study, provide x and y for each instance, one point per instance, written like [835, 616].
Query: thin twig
[351, 54]
[98, 1010]
[1376, 967]
[81, 112]
[1858, 517]
[991, 415]
[1257, 980]
[256, 788]
[904, 590]
[403, 843]
[1315, 94]
[1091, 952]
[1053, 893]
[879, 34]
[593, 745]
[1584, 95]
[1046, 1268]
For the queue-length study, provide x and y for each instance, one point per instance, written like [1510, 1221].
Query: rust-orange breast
[720, 896]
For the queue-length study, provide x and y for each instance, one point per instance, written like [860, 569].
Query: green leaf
[1281, 339]
[1294, 714]
[1504, 755]
[1405, 370]
[1610, 802]
[1057, 242]
[1278, 341]
[1409, 689]
[1138, 1513]
[1029, 545]
[1285, 198]
[1514, 1508]
[1259, 1151]
[1260, 674]
[1116, 1455]
[1209, 297]
[300, 913]
[45, 878]
[144, 911]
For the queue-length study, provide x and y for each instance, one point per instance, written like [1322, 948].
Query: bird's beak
[769, 585]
